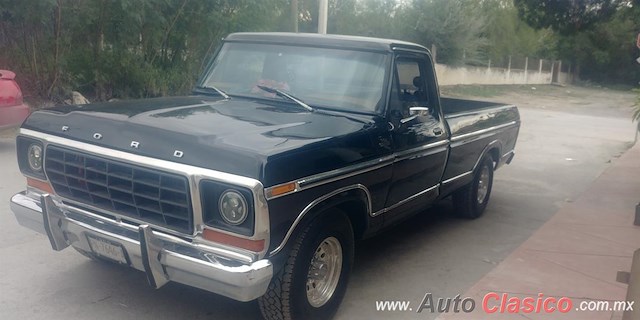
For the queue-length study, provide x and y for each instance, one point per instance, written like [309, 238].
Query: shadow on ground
[175, 300]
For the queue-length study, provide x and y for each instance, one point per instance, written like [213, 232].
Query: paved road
[558, 155]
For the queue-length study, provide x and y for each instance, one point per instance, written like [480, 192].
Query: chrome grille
[145, 194]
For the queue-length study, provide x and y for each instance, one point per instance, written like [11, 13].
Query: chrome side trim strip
[193, 174]
[331, 176]
[343, 173]
[354, 170]
[457, 177]
[311, 205]
[421, 151]
[483, 131]
[474, 138]
[471, 113]
[413, 197]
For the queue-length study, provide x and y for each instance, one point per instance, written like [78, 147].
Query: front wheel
[314, 279]
[470, 201]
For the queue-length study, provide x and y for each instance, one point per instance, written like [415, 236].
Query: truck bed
[476, 126]
[470, 116]
[453, 105]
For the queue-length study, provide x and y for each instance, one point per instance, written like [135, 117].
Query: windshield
[330, 78]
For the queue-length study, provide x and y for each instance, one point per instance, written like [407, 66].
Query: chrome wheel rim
[324, 272]
[483, 184]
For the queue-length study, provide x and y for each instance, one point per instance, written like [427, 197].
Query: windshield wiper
[288, 96]
[218, 91]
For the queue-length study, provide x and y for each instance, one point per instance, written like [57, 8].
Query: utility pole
[322, 16]
[294, 15]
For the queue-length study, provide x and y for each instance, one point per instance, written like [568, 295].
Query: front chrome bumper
[161, 256]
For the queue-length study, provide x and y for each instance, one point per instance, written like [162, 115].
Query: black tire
[465, 201]
[286, 297]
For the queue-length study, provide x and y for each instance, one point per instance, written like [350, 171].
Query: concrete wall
[448, 75]
[564, 77]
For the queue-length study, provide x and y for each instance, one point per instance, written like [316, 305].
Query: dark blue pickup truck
[291, 147]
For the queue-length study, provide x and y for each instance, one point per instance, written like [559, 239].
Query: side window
[410, 86]
[411, 81]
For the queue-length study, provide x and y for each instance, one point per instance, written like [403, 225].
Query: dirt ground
[572, 99]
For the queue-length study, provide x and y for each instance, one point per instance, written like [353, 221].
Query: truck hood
[239, 136]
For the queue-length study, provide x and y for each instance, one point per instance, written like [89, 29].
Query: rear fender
[493, 149]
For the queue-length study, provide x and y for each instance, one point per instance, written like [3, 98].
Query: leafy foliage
[455, 27]
[566, 16]
[146, 48]
[508, 35]
[596, 35]
[120, 48]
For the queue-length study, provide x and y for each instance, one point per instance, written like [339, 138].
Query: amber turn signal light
[40, 185]
[281, 189]
[223, 238]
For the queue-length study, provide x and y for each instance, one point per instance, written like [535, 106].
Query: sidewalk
[576, 254]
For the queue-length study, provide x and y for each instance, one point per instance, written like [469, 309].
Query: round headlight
[35, 157]
[233, 207]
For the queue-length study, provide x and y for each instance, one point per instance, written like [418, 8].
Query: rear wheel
[314, 279]
[470, 201]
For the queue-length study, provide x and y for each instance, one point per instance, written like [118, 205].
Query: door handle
[437, 131]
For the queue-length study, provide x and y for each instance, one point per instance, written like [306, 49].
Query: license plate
[108, 249]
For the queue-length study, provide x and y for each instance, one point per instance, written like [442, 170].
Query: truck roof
[323, 40]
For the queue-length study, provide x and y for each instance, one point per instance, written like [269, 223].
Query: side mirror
[415, 112]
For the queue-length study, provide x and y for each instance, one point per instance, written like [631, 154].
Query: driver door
[418, 132]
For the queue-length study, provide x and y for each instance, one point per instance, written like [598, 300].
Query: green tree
[121, 48]
[596, 35]
[455, 27]
[144, 48]
[507, 35]
[26, 38]
[566, 16]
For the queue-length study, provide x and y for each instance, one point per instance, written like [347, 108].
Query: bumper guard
[162, 257]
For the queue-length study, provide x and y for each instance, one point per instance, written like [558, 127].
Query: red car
[13, 111]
